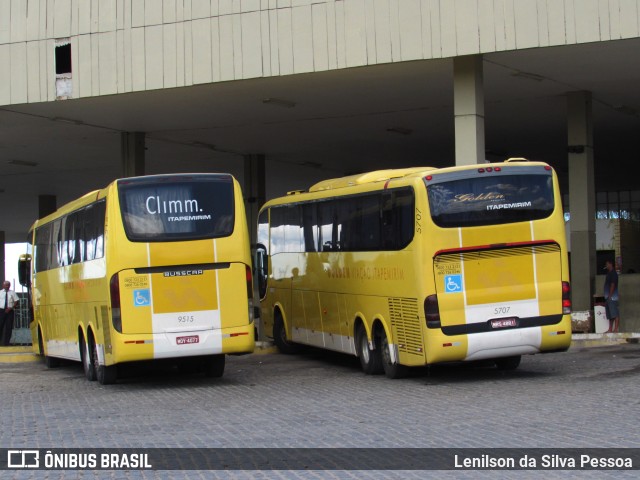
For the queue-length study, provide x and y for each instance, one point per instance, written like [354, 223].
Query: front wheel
[280, 337]
[391, 370]
[50, 362]
[370, 360]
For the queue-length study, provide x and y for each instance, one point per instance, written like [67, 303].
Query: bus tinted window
[72, 238]
[177, 208]
[489, 200]
[351, 223]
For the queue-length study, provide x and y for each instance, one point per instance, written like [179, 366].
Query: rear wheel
[280, 336]
[87, 360]
[106, 375]
[370, 360]
[214, 365]
[508, 363]
[391, 370]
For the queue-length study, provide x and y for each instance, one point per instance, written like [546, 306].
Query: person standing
[9, 300]
[611, 297]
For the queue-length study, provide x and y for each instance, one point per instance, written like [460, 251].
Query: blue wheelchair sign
[453, 283]
[142, 298]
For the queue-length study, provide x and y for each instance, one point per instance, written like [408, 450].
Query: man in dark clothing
[8, 302]
[611, 297]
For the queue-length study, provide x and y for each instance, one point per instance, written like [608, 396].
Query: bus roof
[369, 177]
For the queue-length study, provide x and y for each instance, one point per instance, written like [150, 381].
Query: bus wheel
[87, 363]
[280, 336]
[391, 370]
[50, 362]
[371, 360]
[105, 375]
[214, 365]
[508, 363]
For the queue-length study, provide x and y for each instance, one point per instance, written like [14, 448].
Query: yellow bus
[151, 267]
[418, 266]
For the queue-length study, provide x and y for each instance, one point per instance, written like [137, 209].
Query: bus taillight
[116, 318]
[432, 311]
[250, 293]
[566, 298]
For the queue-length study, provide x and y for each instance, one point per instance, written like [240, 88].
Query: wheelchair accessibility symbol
[452, 283]
[142, 298]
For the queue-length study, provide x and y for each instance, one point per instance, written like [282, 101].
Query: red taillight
[114, 288]
[432, 311]
[250, 293]
[566, 298]
[249, 284]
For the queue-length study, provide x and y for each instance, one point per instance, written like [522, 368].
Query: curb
[587, 340]
[18, 354]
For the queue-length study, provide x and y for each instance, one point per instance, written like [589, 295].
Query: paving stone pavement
[583, 398]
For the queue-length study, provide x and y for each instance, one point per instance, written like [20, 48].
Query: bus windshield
[459, 200]
[177, 208]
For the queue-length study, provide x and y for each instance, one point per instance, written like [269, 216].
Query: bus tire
[370, 360]
[104, 374]
[280, 336]
[508, 363]
[391, 370]
[49, 362]
[87, 359]
[214, 365]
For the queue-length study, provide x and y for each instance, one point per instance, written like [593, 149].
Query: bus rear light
[432, 311]
[566, 298]
[114, 288]
[249, 279]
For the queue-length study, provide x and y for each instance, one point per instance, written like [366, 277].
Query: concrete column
[468, 109]
[46, 205]
[133, 149]
[2, 258]
[581, 199]
[254, 197]
[254, 191]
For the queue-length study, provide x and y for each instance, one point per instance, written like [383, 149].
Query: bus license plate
[503, 322]
[188, 340]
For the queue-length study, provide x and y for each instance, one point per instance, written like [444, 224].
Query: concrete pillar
[133, 149]
[254, 191]
[468, 109]
[581, 199]
[254, 197]
[2, 258]
[46, 205]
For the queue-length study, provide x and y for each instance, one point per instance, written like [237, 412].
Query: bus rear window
[466, 200]
[177, 207]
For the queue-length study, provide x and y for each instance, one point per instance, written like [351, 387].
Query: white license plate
[503, 323]
[188, 340]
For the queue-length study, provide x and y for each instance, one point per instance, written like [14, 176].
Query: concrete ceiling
[344, 121]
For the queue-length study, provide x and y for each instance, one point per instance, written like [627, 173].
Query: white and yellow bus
[418, 266]
[150, 267]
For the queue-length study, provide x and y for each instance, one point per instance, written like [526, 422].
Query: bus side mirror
[24, 270]
[262, 269]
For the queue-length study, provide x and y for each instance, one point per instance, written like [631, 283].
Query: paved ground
[584, 398]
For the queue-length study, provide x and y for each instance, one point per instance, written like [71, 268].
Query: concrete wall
[629, 291]
[120, 46]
